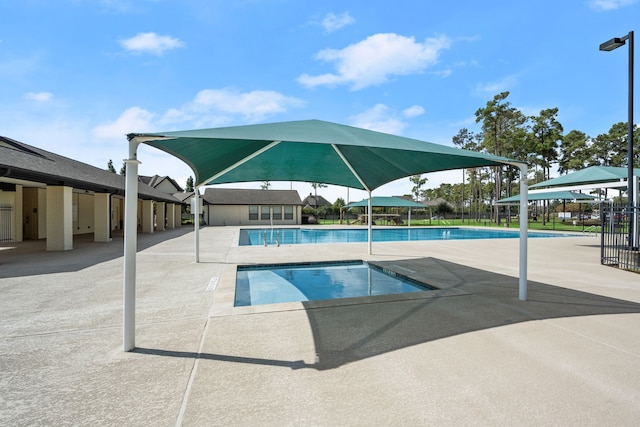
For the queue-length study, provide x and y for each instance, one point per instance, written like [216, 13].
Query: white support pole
[196, 221]
[130, 248]
[524, 214]
[369, 222]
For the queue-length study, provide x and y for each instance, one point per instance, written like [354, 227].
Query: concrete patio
[468, 354]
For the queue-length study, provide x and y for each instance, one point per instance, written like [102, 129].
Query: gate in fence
[620, 237]
[6, 223]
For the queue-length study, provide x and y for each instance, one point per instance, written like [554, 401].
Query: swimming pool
[295, 236]
[270, 284]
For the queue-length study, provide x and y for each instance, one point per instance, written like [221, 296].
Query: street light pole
[608, 46]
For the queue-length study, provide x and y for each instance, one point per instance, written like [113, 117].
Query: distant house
[437, 202]
[47, 196]
[162, 183]
[314, 202]
[230, 206]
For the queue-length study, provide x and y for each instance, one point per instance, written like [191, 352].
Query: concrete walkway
[468, 354]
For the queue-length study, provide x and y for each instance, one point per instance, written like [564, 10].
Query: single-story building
[231, 206]
[47, 196]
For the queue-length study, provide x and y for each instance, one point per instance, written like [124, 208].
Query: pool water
[294, 236]
[256, 285]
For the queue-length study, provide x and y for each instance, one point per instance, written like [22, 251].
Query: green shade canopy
[387, 202]
[551, 195]
[590, 175]
[309, 150]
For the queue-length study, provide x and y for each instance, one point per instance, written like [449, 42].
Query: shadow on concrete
[483, 300]
[297, 364]
[346, 334]
[30, 257]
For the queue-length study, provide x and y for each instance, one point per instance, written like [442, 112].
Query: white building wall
[31, 213]
[239, 215]
[117, 215]
[83, 213]
[166, 187]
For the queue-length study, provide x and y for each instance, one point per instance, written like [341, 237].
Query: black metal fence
[620, 237]
[6, 223]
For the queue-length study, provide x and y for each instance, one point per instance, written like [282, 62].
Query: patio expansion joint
[589, 338]
[192, 375]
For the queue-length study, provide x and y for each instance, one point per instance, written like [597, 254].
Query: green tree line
[539, 140]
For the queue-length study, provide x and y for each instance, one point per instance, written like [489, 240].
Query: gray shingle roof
[154, 181]
[233, 196]
[311, 201]
[25, 162]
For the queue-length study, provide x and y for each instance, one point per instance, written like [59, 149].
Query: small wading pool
[294, 236]
[270, 284]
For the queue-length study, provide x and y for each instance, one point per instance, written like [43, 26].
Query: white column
[130, 243]
[42, 213]
[171, 215]
[59, 218]
[524, 214]
[101, 217]
[178, 215]
[147, 216]
[17, 230]
[160, 215]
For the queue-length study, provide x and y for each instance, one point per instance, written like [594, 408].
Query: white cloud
[150, 43]
[379, 118]
[134, 119]
[39, 96]
[333, 22]
[604, 5]
[209, 108]
[413, 111]
[493, 88]
[373, 60]
[215, 106]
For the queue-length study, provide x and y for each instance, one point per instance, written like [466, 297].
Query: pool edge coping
[224, 294]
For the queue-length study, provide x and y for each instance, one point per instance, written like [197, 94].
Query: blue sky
[77, 75]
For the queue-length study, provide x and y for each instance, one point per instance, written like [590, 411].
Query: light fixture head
[612, 44]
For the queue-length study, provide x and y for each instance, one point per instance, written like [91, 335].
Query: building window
[288, 212]
[253, 213]
[264, 212]
[277, 212]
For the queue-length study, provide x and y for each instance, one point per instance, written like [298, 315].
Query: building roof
[237, 196]
[551, 195]
[591, 175]
[156, 180]
[22, 162]
[311, 200]
[386, 201]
